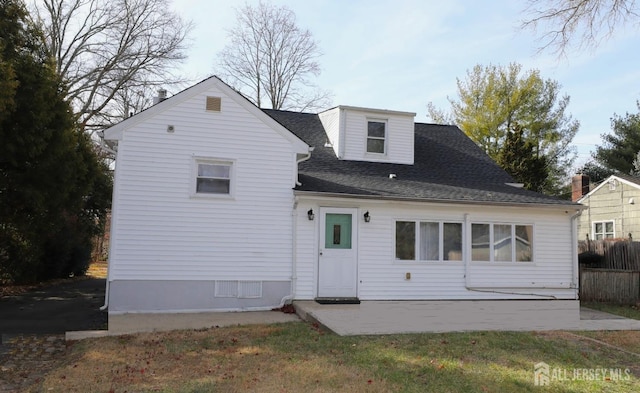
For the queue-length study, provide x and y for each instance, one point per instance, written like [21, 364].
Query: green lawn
[298, 357]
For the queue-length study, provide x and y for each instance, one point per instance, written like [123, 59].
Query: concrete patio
[386, 317]
[394, 317]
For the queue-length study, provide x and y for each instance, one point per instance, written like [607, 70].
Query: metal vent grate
[249, 289]
[213, 104]
[226, 289]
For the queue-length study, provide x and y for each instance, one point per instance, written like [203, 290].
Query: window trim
[416, 244]
[385, 139]
[604, 229]
[193, 184]
[492, 257]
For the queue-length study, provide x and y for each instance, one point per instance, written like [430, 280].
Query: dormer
[364, 134]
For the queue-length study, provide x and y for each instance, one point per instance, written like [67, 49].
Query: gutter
[305, 158]
[436, 200]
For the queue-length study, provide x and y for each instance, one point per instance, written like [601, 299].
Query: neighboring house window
[213, 177]
[435, 241]
[603, 230]
[376, 136]
[501, 242]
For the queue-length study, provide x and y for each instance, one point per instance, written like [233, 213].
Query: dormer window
[376, 136]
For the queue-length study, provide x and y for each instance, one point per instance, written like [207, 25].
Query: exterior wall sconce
[310, 215]
[367, 217]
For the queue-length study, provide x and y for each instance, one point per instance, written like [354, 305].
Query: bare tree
[580, 23]
[109, 51]
[270, 59]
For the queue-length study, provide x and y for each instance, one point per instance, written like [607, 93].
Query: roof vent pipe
[162, 95]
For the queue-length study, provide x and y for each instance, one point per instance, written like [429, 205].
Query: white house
[219, 205]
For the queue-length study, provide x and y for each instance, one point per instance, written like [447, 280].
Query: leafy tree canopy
[493, 99]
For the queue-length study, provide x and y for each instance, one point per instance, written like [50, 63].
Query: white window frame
[492, 254]
[385, 139]
[604, 233]
[416, 245]
[193, 184]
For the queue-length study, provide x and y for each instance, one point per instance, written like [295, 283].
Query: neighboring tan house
[219, 205]
[612, 207]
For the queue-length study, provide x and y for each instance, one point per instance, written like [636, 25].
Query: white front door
[338, 260]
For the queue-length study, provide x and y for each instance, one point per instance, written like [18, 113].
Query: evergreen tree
[596, 172]
[519, 158]
[53, 189]
[620, 148]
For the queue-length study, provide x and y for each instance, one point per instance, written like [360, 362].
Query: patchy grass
[298, 357]
[628, 311]
[97, 269]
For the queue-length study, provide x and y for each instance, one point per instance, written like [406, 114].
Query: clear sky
[402, 54]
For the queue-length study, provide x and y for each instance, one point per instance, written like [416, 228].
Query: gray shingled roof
[448, 166]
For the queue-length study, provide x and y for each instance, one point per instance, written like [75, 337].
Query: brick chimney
[579, 186]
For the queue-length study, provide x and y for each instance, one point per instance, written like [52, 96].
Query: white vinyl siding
[162, 233]
[382, 277]
[351, 138]
[399, 135]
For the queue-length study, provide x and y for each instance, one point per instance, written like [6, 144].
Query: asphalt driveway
[55, 309]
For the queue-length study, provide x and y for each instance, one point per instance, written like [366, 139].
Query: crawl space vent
[213, 104]
[238, 289]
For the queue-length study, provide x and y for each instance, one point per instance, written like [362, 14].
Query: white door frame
[344, 260]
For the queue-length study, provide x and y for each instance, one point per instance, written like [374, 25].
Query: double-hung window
[213, 177]
[603, 230]
[376, 136]
[432, 241]
[501, 242]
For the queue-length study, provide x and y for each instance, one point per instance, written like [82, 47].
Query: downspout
[305, 158]
[575, 281]
[294, 238]
[112, 237]
[294, 251]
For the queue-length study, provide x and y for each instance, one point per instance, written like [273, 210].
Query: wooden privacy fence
[622, 255]
[610, 271]
[608, 285]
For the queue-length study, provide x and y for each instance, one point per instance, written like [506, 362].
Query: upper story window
[213, 177]
[603, 230]
[376, 136]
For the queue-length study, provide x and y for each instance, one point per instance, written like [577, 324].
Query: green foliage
[518, 157]
[596, 172]
[622, 146]
[53, 188]
[492, 99]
